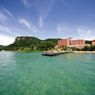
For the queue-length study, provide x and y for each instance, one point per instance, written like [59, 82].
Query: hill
[31, 43]
[1, 47]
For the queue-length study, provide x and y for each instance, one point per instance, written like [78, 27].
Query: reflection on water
[34, 74]
[6, 58]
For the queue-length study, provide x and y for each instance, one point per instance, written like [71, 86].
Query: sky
[46, 19]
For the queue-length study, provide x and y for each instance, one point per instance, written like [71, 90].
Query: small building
[93, 42]
[80, 43]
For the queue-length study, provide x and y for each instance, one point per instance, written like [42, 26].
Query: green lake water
[34, 74]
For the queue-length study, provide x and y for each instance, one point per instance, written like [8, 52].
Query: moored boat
[49, 53]
[53, 53]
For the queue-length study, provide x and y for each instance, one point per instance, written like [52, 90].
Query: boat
[53, 53]
[49, 53]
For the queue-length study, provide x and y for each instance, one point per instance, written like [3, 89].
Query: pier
[55, 53]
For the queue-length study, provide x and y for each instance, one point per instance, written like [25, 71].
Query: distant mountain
[32, 43]
[1, 47]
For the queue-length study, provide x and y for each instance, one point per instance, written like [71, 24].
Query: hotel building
[80, 43]
[93, 42]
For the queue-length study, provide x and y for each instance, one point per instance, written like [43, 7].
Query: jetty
[52, 53]
[49, 53]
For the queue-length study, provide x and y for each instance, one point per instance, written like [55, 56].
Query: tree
[93, 48]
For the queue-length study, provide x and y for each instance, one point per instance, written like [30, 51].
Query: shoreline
[84, 52]
[75, 52]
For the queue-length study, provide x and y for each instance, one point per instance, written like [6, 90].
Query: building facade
[71, 43]
[63, 43]
[93, 42]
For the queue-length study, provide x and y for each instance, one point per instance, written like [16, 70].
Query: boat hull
[49, 54]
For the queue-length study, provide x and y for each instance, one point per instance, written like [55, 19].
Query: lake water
[34, 74]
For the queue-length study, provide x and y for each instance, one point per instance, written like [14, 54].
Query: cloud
[8, 30]
[43, 8]
[28, 25]
[48, 9]
[3, 17]
[77, 32]
[7, 12]
[6, 40]
[8, 34]
[66, 5]
[85, 33]
[63, 29]
[41, 22]
[25, 22]
[10, 27]
[26, 3]
[3, 28]
[44, 11]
